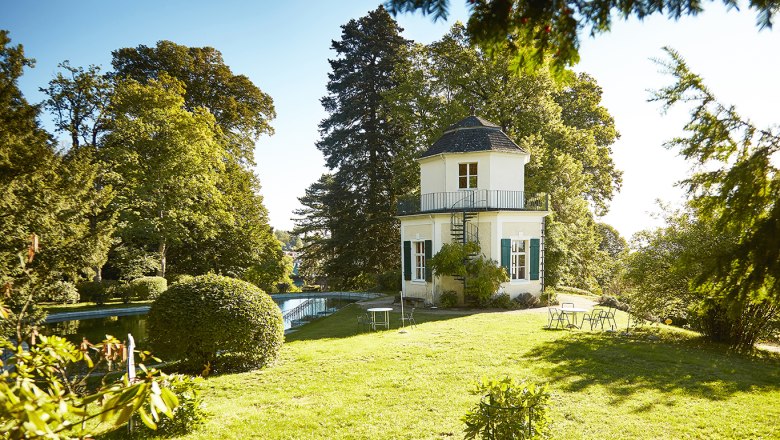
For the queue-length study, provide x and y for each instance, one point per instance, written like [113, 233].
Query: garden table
[386, 322]
[573, 312]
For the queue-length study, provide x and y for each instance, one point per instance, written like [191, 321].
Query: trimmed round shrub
[122, 291]
[179, 278]
[97, 292]
[62, 292]
[448, 299]
[212, 318]
[147, 287]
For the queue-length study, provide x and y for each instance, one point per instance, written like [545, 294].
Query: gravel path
[579, 301]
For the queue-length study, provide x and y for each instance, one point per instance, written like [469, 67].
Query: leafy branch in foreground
[538, 30]
[41, 396]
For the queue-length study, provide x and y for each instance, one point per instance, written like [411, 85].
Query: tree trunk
[98, 274]
[161, 270]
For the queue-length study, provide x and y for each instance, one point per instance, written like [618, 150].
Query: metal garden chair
[557, 317]
[594, 318]
[365, 322]
[608, 316]
[408, 319]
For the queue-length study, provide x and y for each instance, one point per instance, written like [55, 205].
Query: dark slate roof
[472, 134]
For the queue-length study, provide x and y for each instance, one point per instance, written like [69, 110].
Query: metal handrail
[476, 200]
[297, 312]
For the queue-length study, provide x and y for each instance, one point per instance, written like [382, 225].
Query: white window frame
[418, 260]
[468, 175]
[515, 257]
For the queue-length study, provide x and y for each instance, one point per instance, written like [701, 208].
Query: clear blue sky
[283, 47]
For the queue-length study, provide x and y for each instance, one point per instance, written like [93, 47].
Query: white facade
[493, 226]
[497, 171]
[489, 187]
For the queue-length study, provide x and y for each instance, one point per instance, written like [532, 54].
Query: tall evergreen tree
[735, 188]
[365, 145]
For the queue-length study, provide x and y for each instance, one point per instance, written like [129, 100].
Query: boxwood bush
[62, 292]
[147, 287]
[211, 318]
[97, 292]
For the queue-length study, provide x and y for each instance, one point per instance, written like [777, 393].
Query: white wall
[433, 176]
[493, 226]
[507, 171]
[495, 171]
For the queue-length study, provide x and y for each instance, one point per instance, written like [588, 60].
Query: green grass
[333, 383]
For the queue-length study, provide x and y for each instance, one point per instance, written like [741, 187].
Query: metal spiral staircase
[464, 229]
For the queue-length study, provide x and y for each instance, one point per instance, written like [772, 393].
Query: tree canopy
[168, 162]
[562, 124]
[241, 109]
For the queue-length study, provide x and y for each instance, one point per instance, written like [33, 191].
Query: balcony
[477, 200]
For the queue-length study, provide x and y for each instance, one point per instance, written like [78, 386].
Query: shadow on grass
[627, 366]
[344, 324]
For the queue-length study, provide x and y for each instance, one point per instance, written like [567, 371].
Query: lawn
[333, 383]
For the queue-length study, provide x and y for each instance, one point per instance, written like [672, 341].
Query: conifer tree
[365, 146]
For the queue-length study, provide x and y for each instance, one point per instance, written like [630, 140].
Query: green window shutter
[534, 258]
[407, 260]
[506, 252]
[428, 255]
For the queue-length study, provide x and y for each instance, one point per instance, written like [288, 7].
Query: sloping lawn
[333, 383]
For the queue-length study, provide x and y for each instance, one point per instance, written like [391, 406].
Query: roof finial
[472, 110]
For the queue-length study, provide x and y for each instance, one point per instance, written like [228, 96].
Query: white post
[130, 370]
[130, 358]
[403, 327]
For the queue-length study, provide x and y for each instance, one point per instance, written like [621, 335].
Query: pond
[296, 311]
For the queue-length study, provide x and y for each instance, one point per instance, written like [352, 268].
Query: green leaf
[170, 399]
[124, 416]
[146, 419]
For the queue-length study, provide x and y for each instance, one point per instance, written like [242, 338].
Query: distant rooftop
[472, 134]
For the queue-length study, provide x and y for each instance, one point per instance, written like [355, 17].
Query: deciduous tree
[169, 161]
[241, 109]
